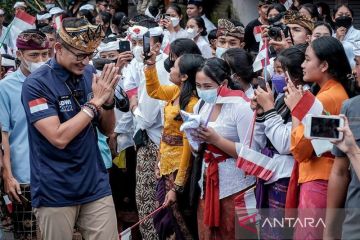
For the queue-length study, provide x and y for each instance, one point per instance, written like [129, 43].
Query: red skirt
[227, 228]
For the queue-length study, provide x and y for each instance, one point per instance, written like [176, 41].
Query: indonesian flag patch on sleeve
[38, 105]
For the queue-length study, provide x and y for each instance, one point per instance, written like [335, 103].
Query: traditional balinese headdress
[227, 28]
[85, 38]
[32, 40]
[137, 32]
[110, 46]
[293, 17]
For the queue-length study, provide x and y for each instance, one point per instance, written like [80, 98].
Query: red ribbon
[213, 156]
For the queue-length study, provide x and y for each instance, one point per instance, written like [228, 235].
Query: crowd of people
[93, 107]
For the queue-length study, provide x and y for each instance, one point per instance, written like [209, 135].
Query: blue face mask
[278, 82]
[209, 96]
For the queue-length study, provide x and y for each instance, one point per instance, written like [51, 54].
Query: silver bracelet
[91, 115]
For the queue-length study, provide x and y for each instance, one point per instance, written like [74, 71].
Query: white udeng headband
[137, 32]
[106, 47]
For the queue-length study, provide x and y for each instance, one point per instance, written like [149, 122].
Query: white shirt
[231, 124]
[170, 37]
[2, 36]
[204, 47]
[250, 93]
[208, 24]
[352, 35]
[148, 114]
[279, 134]
[124, 125]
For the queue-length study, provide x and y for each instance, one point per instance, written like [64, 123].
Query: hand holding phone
[124, 46]
[146, 45]
[262, 83]
[323, 127]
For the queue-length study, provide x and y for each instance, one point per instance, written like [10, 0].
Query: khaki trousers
[95, 220]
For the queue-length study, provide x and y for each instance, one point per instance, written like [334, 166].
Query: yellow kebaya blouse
[174, 147]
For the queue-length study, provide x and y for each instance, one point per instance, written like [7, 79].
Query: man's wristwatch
[110, 106]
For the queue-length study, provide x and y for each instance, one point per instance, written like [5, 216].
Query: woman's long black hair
[240, 62]
[329, 49]
[291, 60]
[188, 64]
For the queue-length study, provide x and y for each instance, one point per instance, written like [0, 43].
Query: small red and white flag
[167, 49]
[132, 92]
[262, 58]
[257, 33]
[21, 22]
[255, 163]
[308, 104]
[58, 22]
[245, 210]
[227, 95]
[125, 235]
[8, 203]
[38, 105]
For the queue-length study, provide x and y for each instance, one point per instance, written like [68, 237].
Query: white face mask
[220, 51]
[192, 33]
[31, 66]
[175, 21]
[209, 96]
[138, 52]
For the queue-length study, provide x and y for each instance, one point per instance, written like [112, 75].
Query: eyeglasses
[82, 56]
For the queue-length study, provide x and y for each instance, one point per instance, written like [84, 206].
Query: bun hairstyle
[201, 24]
[218, 70]
[240, 62]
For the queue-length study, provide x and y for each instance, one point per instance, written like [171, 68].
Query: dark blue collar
[62, 73]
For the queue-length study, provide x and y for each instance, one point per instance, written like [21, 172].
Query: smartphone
[165, 16]
[146, 45]
[124, 46]
[262, 83]
[99, 63]
[323, 127]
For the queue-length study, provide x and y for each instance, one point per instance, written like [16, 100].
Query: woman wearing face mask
[196, 30]
[273, 130]
[343, 17]
[172, 24]
[227, 125]
[327, 67]
[240, 63]
[174, 148]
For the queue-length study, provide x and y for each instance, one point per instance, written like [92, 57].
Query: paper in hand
[191, 123]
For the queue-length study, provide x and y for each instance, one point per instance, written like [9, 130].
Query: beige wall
[245, 10]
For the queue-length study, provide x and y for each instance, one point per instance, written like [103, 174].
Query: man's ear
[58, 48]
[242, 45]
[18, 54]
[201, 10]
